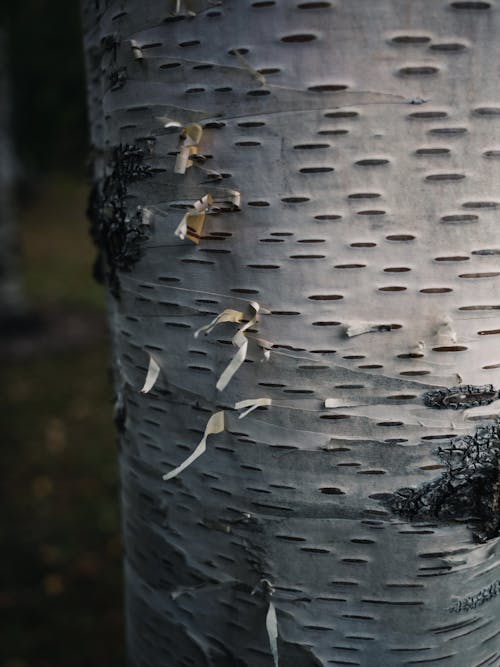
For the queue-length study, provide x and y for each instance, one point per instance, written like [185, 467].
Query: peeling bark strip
[117, 232]
[342, 143]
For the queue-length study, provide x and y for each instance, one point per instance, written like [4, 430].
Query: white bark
[368, 164]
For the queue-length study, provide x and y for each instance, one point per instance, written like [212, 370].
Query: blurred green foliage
[60, 549]
[57, 251]
[60, 575]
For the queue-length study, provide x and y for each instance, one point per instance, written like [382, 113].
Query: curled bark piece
[235, 198]
[152, 376]
[265, 346]
[241, 342]
[190, 138]
[252, 404]
[272, 631]
[244, 63]
[214, 425]
[181, 9]
[147, 216]
[169, 123]
[227, 315]
[136, 50]
[193, 220]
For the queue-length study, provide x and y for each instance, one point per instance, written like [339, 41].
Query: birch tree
[296, 209]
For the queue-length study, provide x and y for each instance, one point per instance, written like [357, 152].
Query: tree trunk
[325, 172]
[12, 303]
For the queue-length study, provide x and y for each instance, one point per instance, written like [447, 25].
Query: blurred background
[60, 551]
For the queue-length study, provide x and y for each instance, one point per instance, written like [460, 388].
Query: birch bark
[350, 151]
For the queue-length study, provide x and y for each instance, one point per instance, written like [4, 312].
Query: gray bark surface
[368, 162]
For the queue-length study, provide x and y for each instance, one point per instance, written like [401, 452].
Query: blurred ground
[60, 552]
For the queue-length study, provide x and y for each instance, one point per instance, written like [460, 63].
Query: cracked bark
[367, 162]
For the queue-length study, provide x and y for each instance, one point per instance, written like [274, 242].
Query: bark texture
[360, 500]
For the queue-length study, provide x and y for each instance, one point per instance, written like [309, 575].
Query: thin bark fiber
[342, 200]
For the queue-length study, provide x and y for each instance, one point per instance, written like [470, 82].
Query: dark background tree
[60, 550]
[47, 84]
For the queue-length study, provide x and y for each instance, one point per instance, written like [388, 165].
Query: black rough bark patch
[477, 599]
[469, 487]
[117, 233]
[461, 397]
